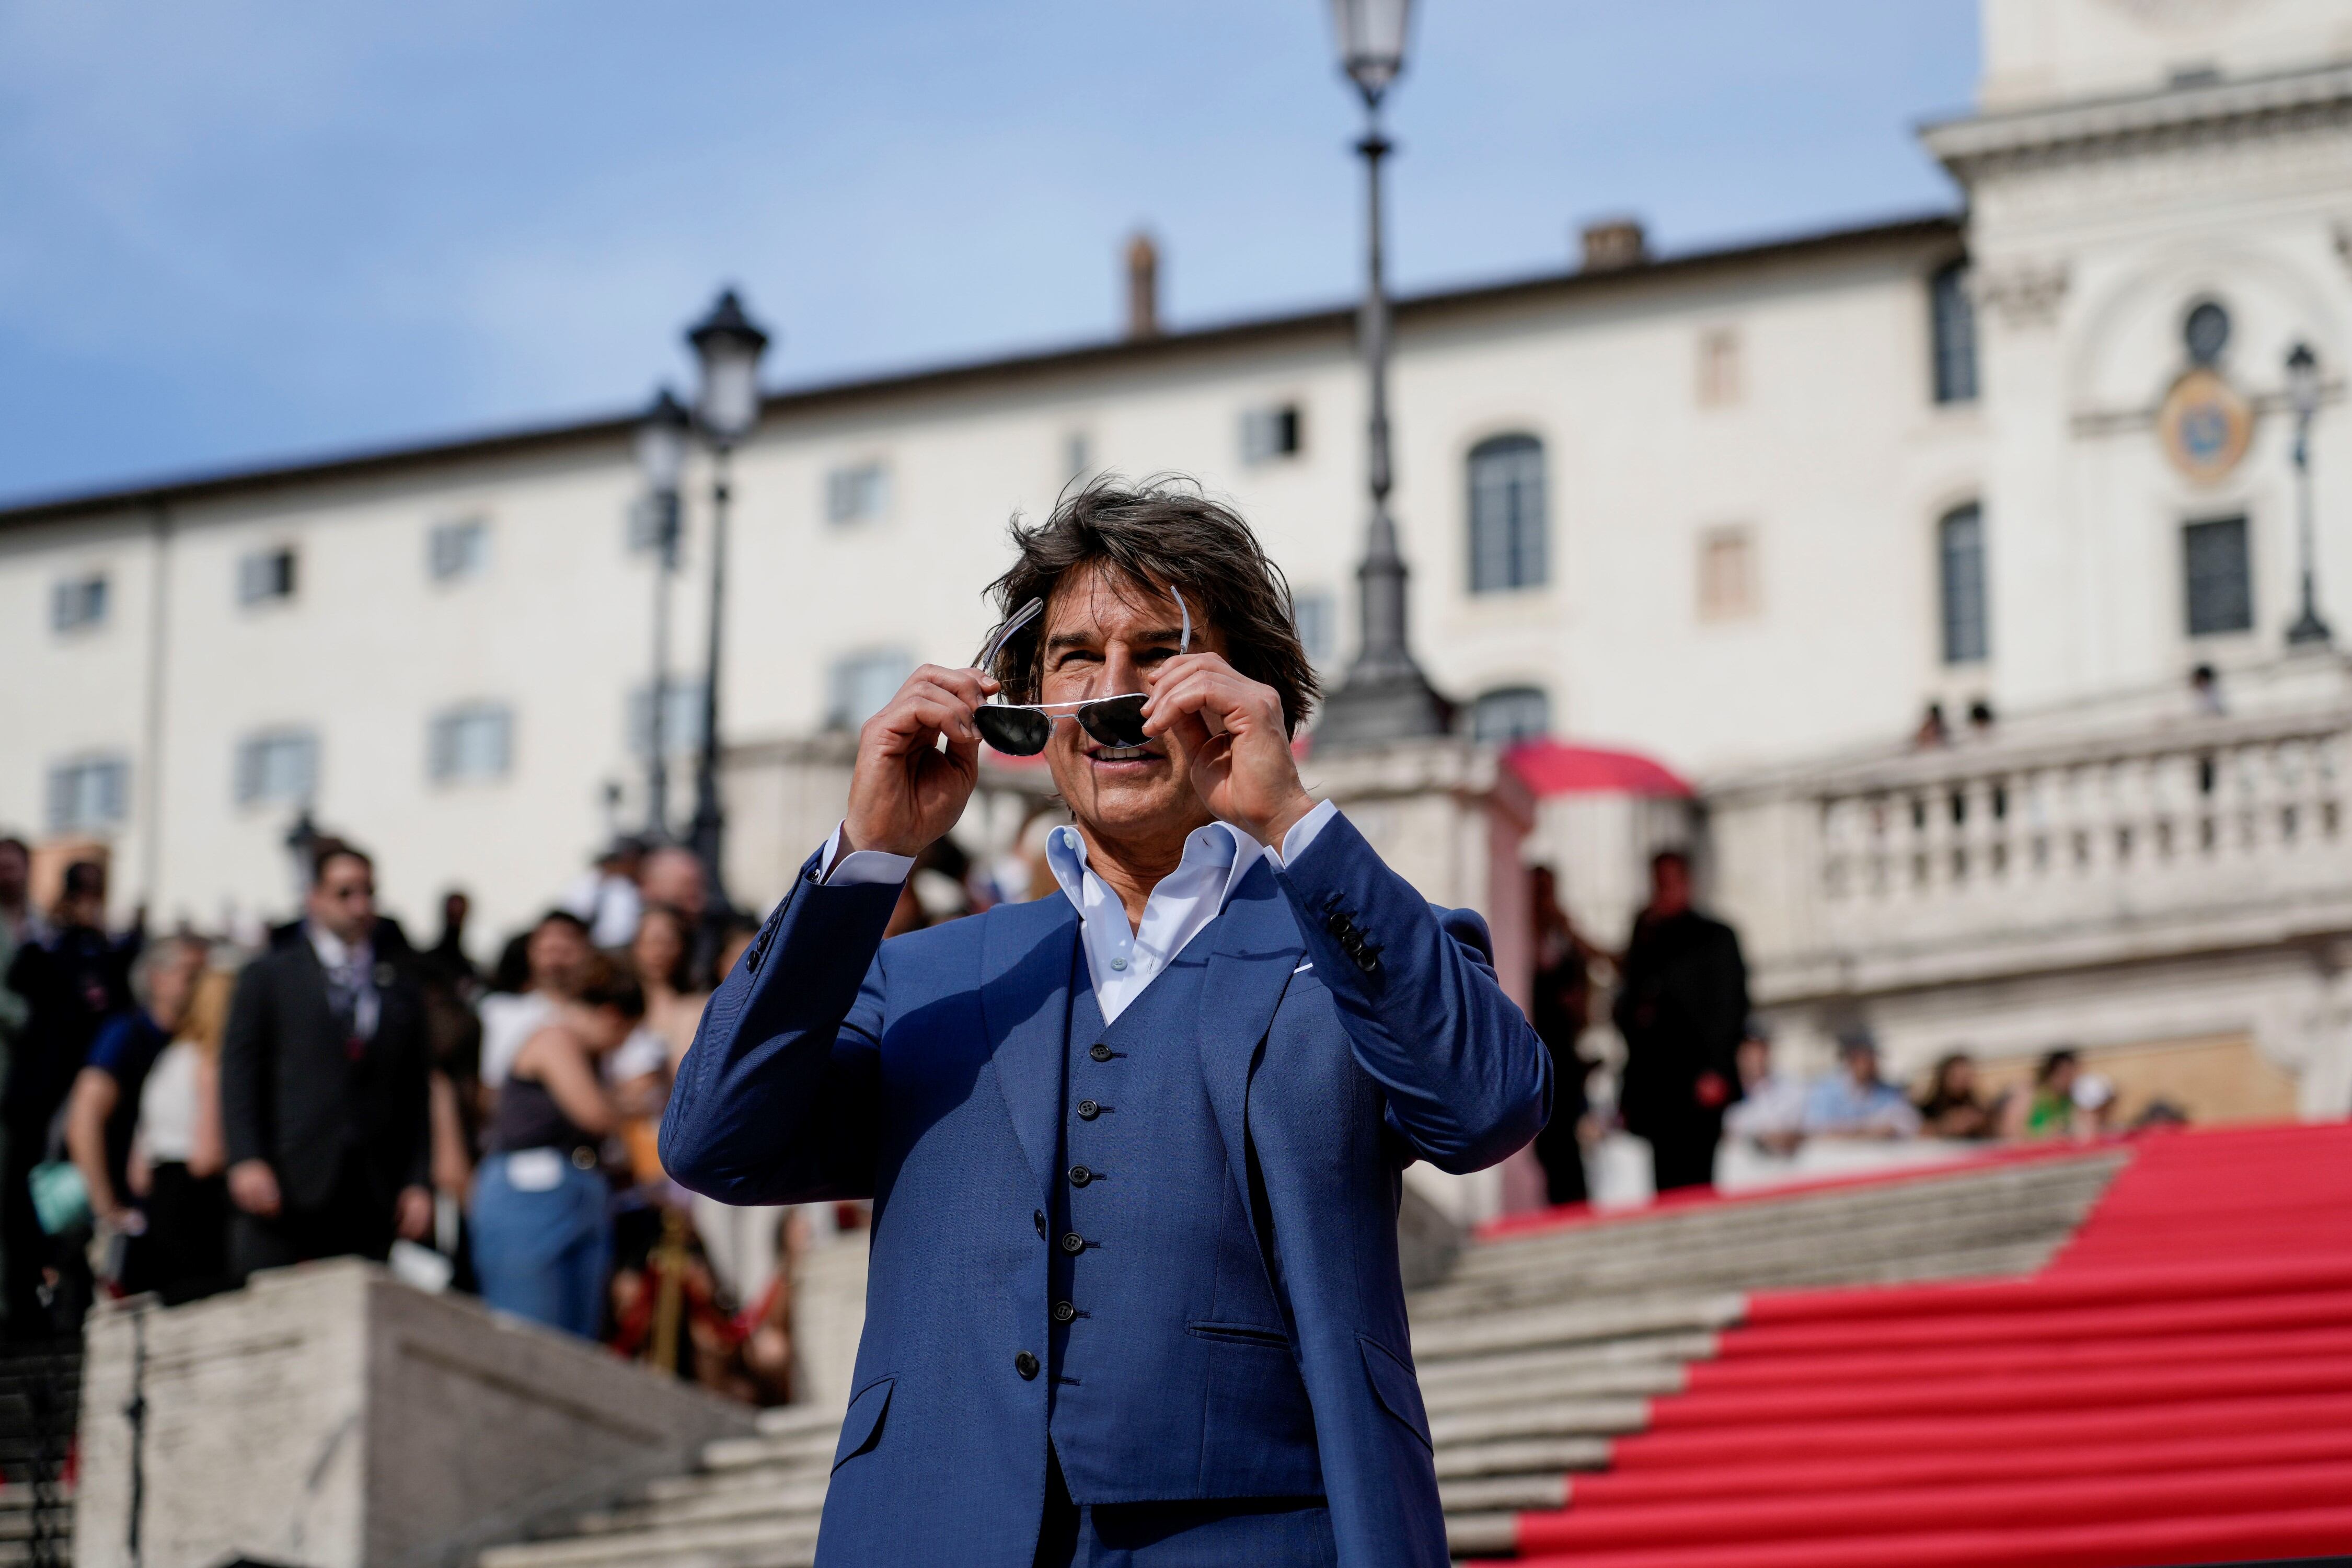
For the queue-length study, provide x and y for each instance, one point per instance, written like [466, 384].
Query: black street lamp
[2303, 392]
[661, 460]
[726, 345]
[1384, 696]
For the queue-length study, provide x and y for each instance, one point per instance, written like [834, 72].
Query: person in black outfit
[71, 984]
[1562, 1007]
[324, 1098]
[1681, 1006]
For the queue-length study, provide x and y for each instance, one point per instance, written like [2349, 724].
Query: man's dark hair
[84, 879]
[1670, 858]
[610, 983]
[561, 917]
[10, 841]
[327, 851]
[1162, 531]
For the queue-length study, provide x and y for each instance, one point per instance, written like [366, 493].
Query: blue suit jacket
[926, 1073]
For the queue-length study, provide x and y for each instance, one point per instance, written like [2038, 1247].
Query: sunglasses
[1022, 730]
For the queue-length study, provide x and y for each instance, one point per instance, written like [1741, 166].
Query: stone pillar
[327, 1416]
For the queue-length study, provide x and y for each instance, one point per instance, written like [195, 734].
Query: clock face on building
[2204, 424]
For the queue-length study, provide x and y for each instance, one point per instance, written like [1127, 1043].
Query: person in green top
[2049, 1110]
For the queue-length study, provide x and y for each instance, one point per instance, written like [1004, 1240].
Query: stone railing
[2043, 850]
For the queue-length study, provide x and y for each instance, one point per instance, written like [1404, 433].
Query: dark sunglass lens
[1015, 732]
[1115, 721]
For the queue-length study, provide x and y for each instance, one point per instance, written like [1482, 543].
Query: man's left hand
[1234, 740]
[413, 1215]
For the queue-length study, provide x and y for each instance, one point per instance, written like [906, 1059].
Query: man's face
[15, 875]
[674, 877]
[558, 955]
[1862, 1067]
[172, 981]
[1669, 887]
[1101, 636]
[342, 899]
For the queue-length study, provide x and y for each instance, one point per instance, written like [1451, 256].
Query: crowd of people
[1698, 1064]
[180, 1112]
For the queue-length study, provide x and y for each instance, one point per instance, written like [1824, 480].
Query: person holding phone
[1135, 1147]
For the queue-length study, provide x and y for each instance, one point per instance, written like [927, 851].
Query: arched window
[1511, 713]
[1952, 317]
[1507, 514]
[1961, 574]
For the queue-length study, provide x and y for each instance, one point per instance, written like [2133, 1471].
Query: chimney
[1142, 287]
[1611, 243]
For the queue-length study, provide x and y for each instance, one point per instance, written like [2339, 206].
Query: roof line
[521, 440]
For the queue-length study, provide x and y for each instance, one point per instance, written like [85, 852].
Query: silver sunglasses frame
[1052, 710]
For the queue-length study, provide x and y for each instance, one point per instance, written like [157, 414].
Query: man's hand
[1234, 742]
[412, 1214]
[905, 793]
[253, 1185]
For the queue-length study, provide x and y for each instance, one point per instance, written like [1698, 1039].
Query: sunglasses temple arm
[1185, 645]
[1021, 618]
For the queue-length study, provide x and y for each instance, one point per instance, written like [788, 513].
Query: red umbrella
[1554, 767]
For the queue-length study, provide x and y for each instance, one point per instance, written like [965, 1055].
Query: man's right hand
[253, 1187]
[905, 793]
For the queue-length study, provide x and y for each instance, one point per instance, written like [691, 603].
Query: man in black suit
[1682, 1005]
[323, 1094]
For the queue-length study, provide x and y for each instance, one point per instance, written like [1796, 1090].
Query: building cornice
[1980, 145]
[1119, 356]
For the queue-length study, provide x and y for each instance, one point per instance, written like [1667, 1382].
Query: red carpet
[2176, 1388]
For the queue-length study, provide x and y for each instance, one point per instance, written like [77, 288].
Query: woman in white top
[178, 1154]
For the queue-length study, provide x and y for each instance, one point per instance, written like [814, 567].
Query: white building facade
[1749, 511]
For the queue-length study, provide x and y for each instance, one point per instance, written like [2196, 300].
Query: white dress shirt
[1124, 959]
[354, 968]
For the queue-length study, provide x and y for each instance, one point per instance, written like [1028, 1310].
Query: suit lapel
[1257, 947]
[1026, 957]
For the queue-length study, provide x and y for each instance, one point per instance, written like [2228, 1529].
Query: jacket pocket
[1396, 1388]
[1240, 1334]
[861, 1428]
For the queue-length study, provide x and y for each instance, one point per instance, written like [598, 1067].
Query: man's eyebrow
[1062, 641]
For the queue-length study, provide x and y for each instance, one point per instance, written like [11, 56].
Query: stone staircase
[1535, 1351]
[40, 1399]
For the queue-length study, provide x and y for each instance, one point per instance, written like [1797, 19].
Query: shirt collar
[1218, 845]
[333, 950]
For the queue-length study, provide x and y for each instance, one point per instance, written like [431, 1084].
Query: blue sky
[250, 230]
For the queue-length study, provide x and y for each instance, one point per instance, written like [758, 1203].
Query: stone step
[706, 1483]
[1544, 1490]
[1560, 1418]
[798, 1499]
[1482, 1535]
[728, 1543]
[1635, 1351]
[799, 1420]
[737, 1453]
[1634, 1381]
[1459, 1461]
[1574, 1324]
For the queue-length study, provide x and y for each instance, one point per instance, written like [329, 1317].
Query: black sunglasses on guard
[1022, 730]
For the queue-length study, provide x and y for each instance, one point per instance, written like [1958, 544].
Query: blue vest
[1174, 1375]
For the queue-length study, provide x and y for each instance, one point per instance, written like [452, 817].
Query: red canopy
[1554, 767]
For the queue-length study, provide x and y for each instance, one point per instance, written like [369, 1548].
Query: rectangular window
[88, 795]
[1727, 574]
[1719, 368]
[1960, 572]
[2218, 574]
[474, 740]
[1952, 320]
[265, 575]
[1317, 618]
[1271, 433]
[858, 492]
[78, 604]
[862, 684]
[457, 549]
[681, 719]
[1078, 454]
[278, 767]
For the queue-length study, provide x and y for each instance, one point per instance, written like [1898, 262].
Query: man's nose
[1120, 674]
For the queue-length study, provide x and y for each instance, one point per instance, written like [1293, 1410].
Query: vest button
[1040, 1217]
[1073, 1242]
[1080, 1175]
[1064, 1311]
[1088, 1110]
[1119, 964]
[1099, 1051]
[1025, 1365]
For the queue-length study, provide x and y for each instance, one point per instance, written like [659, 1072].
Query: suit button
[1040, 1217]
[1080, 1175]
[1100, 1052]
[1088, 1110]
[1025, 1365]
[1064, 1311]
[1073, 1242]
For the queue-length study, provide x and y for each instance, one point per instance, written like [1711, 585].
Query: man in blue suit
[1135, 1148]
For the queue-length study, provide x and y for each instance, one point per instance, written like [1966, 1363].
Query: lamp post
[1384, 696]
[2303, 391]
[727, 346]
[661, 459]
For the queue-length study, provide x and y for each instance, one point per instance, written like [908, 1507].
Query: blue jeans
[540, 1251]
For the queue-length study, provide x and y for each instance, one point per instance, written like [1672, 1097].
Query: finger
[941, 714]
[919, 711]
[969, 683]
